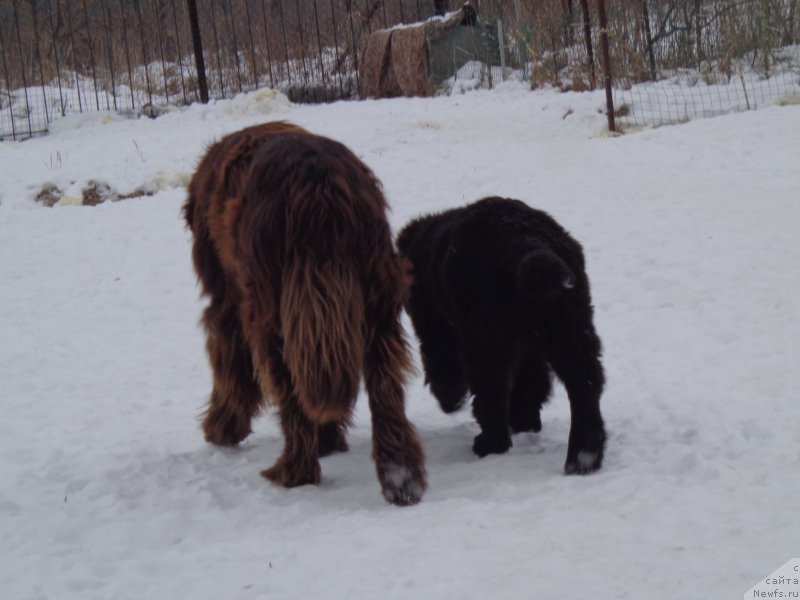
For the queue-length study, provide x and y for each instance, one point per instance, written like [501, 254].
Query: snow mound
[261, 102]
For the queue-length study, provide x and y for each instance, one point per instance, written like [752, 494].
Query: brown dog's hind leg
[399, 459]
[235, 396]
[299, 463]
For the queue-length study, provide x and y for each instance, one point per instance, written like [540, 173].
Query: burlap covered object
[395, 61]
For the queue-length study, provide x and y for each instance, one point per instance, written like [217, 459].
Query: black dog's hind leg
[531, 390]
[440, 360]
[575, 358]
[490, 377]
[332, 438]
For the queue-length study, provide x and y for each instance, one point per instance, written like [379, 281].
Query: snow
[108, 490]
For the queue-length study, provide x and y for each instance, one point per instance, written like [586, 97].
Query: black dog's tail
[542, 274]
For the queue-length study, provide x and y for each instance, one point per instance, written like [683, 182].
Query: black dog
[499, 298]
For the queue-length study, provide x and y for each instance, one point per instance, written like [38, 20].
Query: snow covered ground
[108, 491]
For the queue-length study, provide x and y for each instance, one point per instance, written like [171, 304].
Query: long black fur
[500, 300]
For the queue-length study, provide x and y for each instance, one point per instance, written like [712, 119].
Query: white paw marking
[587, 459]
[400, 480]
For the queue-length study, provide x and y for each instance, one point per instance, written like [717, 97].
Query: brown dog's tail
[322, 316]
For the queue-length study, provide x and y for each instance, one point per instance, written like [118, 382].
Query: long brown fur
[293, 249]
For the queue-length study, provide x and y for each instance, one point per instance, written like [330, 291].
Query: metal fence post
[601, 9]
[197, 44]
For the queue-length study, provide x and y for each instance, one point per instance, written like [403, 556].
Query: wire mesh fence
[708, 58]
[670, 60]
[64, 56]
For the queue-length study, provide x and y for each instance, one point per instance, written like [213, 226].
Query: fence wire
[67, 56]
[671, 60]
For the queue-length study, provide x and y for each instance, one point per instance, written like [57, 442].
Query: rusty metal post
[197, 45]
[601, 9]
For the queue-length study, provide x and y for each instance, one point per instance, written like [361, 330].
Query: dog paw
[224, 432]
[485, 444]
[585, 449]
[401, 485]
[287, 474]
[584, 463]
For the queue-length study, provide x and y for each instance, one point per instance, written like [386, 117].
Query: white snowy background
[108, 491]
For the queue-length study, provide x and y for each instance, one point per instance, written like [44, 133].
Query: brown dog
[292, 246]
